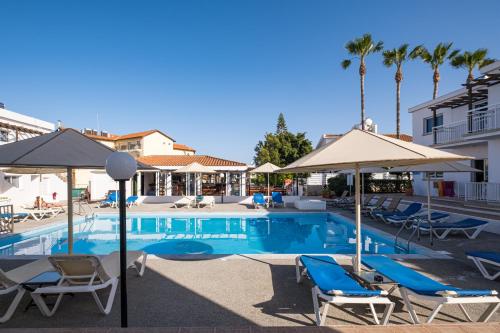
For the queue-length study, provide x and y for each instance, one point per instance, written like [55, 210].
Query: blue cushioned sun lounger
[441, 230]
[411, 210]
[277, 199]
[436, 217]
[480, 258]
[21, 217]
[334, 285]
[259, 200]
[420, 286]
[132, 200]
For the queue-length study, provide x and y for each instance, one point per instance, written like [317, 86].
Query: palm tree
[435, 59]
[471, 60]
[360, 48]
[397, 57]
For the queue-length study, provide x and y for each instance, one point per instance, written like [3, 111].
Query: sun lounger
[369, 207]
[111, 200]
[436, 217]
[17, 217]
[334, 285]
[481, 258]
[411, 210]
[11, 282]
[277, 199]
[132, 200]
[206, 201]
[412, 283]
[184, 202]
[259, 200]
[39, 214]
[470, 227]
[87, 274]
[392, 207]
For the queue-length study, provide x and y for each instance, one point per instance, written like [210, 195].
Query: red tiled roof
[402, 137]
[183, 160]
[180, 146]
[111, 137]
[114, 137]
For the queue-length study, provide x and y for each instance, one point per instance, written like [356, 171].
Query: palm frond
[486, 62]
[346, 63]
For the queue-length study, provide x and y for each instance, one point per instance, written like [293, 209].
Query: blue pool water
[206, 234]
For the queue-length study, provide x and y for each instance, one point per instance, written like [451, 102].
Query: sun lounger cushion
[463, 224]
[491, 256]
[418, 283]
[330, 276]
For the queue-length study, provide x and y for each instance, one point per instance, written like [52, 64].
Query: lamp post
[121, 167]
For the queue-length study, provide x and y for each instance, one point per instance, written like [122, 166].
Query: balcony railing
[489, 192]
[478, 121]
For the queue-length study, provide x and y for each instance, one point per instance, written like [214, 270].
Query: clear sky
[216, 74]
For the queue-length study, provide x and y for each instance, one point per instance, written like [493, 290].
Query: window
[428, 123]
[4, 136]
[13, 180]
[433, 175]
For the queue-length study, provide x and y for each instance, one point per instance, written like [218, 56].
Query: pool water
[276, 233]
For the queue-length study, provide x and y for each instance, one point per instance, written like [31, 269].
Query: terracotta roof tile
[113, 137]
[180, 146]
[403, 137]
[183, 160]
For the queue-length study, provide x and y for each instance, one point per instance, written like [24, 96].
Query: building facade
[467, 122]
[19, 189]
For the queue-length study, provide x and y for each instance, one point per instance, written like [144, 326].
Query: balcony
[479, 121]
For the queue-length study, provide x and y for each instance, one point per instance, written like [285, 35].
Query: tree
[471, 60]
[396, 57]
[361, 48]
[441, 52]
[282, 147]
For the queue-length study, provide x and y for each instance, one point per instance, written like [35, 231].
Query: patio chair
[334, 285]
[408, 212]
[481, 259]
[11, 282]
[277, 199]
[470, 227]
[132, 200]
[184, 202]
[206, 201]
[87, 274]
[259, 200]
[436, 217]
[412, 283]
[391, 207]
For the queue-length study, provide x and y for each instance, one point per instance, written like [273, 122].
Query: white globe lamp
[121, 166]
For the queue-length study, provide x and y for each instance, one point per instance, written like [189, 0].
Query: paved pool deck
[247, 294]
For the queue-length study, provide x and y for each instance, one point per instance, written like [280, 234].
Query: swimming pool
[211, 233]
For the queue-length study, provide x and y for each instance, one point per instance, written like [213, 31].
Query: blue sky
[216, 74]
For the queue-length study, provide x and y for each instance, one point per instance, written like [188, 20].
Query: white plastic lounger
[470, 227]
[333, 285]
[480, 258]
[11, 282]
[184, 202]
[412, 283]
[207, 201]
[87, 274]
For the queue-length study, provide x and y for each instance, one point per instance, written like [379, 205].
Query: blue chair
[442, 230]
[334, 285]
[436, 217]
[480, 258]
[420, 286]
[411, 210]
[132, 200]
[259, 200]
[277, 199]
[111, 200]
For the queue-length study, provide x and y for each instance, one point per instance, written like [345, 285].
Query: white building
[465, 121]
[23, 189]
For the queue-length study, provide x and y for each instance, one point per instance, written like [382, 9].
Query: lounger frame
[441, 300]
[482, 268]
[476, 230]
[338, 299]
[20, 291]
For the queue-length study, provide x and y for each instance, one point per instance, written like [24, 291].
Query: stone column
[157, 183]
[198, 184]
[168, 184]
[139, 183]
[228, 185]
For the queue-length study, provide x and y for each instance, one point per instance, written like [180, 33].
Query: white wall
[157, 144]
[494, 95]
[494, 160]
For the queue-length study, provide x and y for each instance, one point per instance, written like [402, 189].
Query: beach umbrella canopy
[65, 150]
[266, 168]
[435, 167]
[195, 167]
[359, 149]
